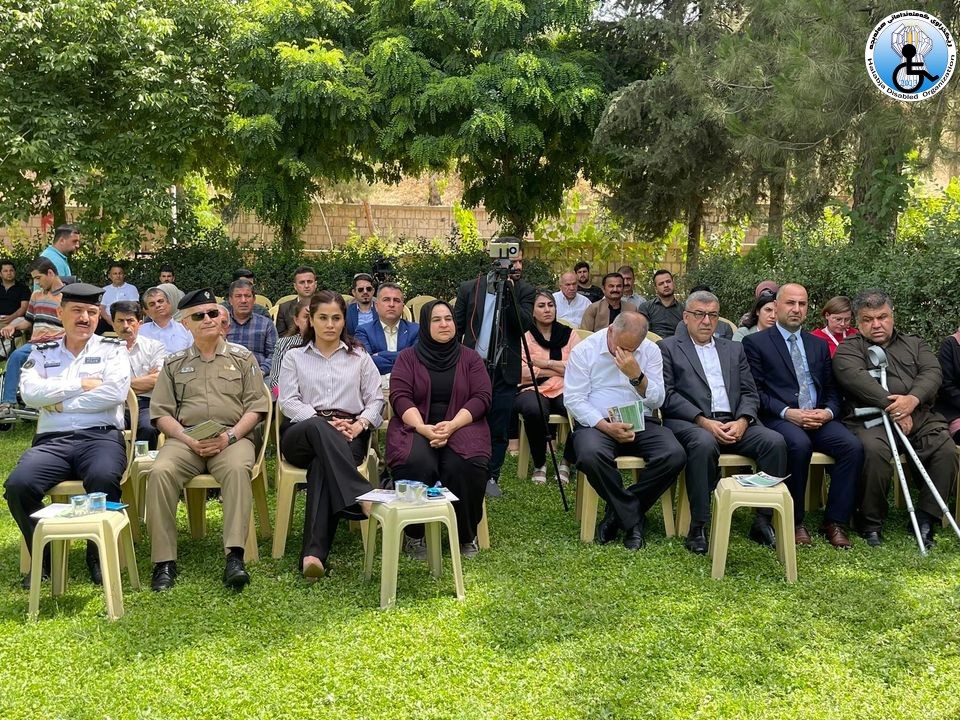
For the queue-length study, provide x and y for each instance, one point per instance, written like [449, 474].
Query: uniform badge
[28, 364]
[92, 361]
[231, 368]
[186, 370]
[50, 364]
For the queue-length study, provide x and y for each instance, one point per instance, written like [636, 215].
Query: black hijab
[435, 356]
[559, 334]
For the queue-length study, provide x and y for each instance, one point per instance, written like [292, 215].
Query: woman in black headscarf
[550, 344]
[440, 393]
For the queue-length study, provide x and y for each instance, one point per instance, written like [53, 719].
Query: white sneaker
[564, 471]
[540, 475]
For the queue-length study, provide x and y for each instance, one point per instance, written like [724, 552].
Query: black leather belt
[722, 417]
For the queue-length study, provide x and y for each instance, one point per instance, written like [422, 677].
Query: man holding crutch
[913, 378]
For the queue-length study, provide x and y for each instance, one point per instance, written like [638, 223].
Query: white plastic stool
[394, 517]
[731, 495]
[108, 530]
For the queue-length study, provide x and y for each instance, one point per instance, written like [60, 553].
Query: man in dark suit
[386, 337]
[474, 314]
[304, 285]
[364, 310]
[806, 413]
[711, 406]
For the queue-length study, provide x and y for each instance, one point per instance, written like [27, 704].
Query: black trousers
[97, 456]
[333, 483]
[145, 431]
[534, 424]
[703, 451]
[498, 418]
[464, 477]
[596, 455]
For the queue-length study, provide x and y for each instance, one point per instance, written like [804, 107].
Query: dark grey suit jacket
[688, 392]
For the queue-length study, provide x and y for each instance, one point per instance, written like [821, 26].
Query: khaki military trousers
[176, 464]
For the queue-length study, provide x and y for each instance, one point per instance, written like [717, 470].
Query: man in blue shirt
[66, 240]
[254, 332]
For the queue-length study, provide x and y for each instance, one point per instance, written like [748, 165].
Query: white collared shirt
[571, 311]
[52, 374]
[112, 294]
[391, 334]
[593, 382]
[146, 355]
[710, 361]
[175, 337]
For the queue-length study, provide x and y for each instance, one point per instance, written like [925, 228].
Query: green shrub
[919, 270]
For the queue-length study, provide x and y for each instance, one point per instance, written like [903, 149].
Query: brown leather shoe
[837, 537]
[802, 536]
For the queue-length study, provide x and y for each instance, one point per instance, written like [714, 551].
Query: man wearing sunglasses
[210, 380]
[363, 311]
[711, 406]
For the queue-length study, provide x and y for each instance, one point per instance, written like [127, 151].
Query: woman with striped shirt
[330, 397]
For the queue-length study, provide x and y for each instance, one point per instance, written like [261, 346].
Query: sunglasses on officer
[199, 316]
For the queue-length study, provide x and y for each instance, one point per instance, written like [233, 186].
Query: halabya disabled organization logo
[910, 55]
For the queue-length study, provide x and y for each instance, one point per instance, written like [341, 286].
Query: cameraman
[474, 314]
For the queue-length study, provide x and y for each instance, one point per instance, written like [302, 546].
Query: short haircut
[64, 231]
[610, 275]
[701, 296]
[625, 268]
[304, 269]
[167, 268]
[661, 271]
[581, 264]
[127, 307]
[698, 288]
[872, 299]
[629, 321]
[836, 305]
[242, 273]
[118, 264]
[362, 276]
[43, 265]
[154, 291]
[390, 286]
[239, 284]
[7, 261]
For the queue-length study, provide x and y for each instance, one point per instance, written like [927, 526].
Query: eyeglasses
[198, 316]
[365, 289]
[700, 315]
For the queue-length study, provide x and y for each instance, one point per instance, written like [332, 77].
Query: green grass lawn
[550, 628]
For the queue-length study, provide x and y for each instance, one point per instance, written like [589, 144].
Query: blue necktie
[804, 399]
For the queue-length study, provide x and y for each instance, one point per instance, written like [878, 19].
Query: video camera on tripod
[502, 255]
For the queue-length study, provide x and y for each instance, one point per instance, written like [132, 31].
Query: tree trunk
[879, 190]
[777, 182]
[58, 205]
[694, 223]
[288, 238]
[434, 198]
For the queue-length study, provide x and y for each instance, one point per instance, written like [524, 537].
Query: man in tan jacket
[603, 312]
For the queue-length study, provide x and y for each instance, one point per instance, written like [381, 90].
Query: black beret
[204, 296]
[82, 293]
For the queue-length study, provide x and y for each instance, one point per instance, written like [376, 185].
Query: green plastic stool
[394, 517]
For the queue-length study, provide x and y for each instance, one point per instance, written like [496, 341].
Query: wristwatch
[364, 422]
[637, 380]
[231, 438]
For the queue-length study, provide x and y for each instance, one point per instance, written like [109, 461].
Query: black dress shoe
[235, 574]
[27, 579]
[633, 539]
[164, 574]
[696, 541]
[609, 527]
[926, 534]
[96, 574]
[873, 538]
[761, 532]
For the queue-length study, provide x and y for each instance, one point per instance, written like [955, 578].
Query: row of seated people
[622, 365]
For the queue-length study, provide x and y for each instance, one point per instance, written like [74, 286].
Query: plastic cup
[79, 505]
[98, 502]
[141, 448]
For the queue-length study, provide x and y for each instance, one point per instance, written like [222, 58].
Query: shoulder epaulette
[179, 354]
[238, 350]
[111, 340]
[48, 345]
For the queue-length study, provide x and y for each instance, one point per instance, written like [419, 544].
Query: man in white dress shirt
[118, 289]
[174, 336]
[146, 357]
[711, 406]
[79, 382]
[614, 368]
[570, 303]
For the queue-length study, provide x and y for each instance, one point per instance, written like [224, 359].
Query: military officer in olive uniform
[79, 383]
[210, 380]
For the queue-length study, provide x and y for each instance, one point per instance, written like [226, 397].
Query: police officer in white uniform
[79, 383]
